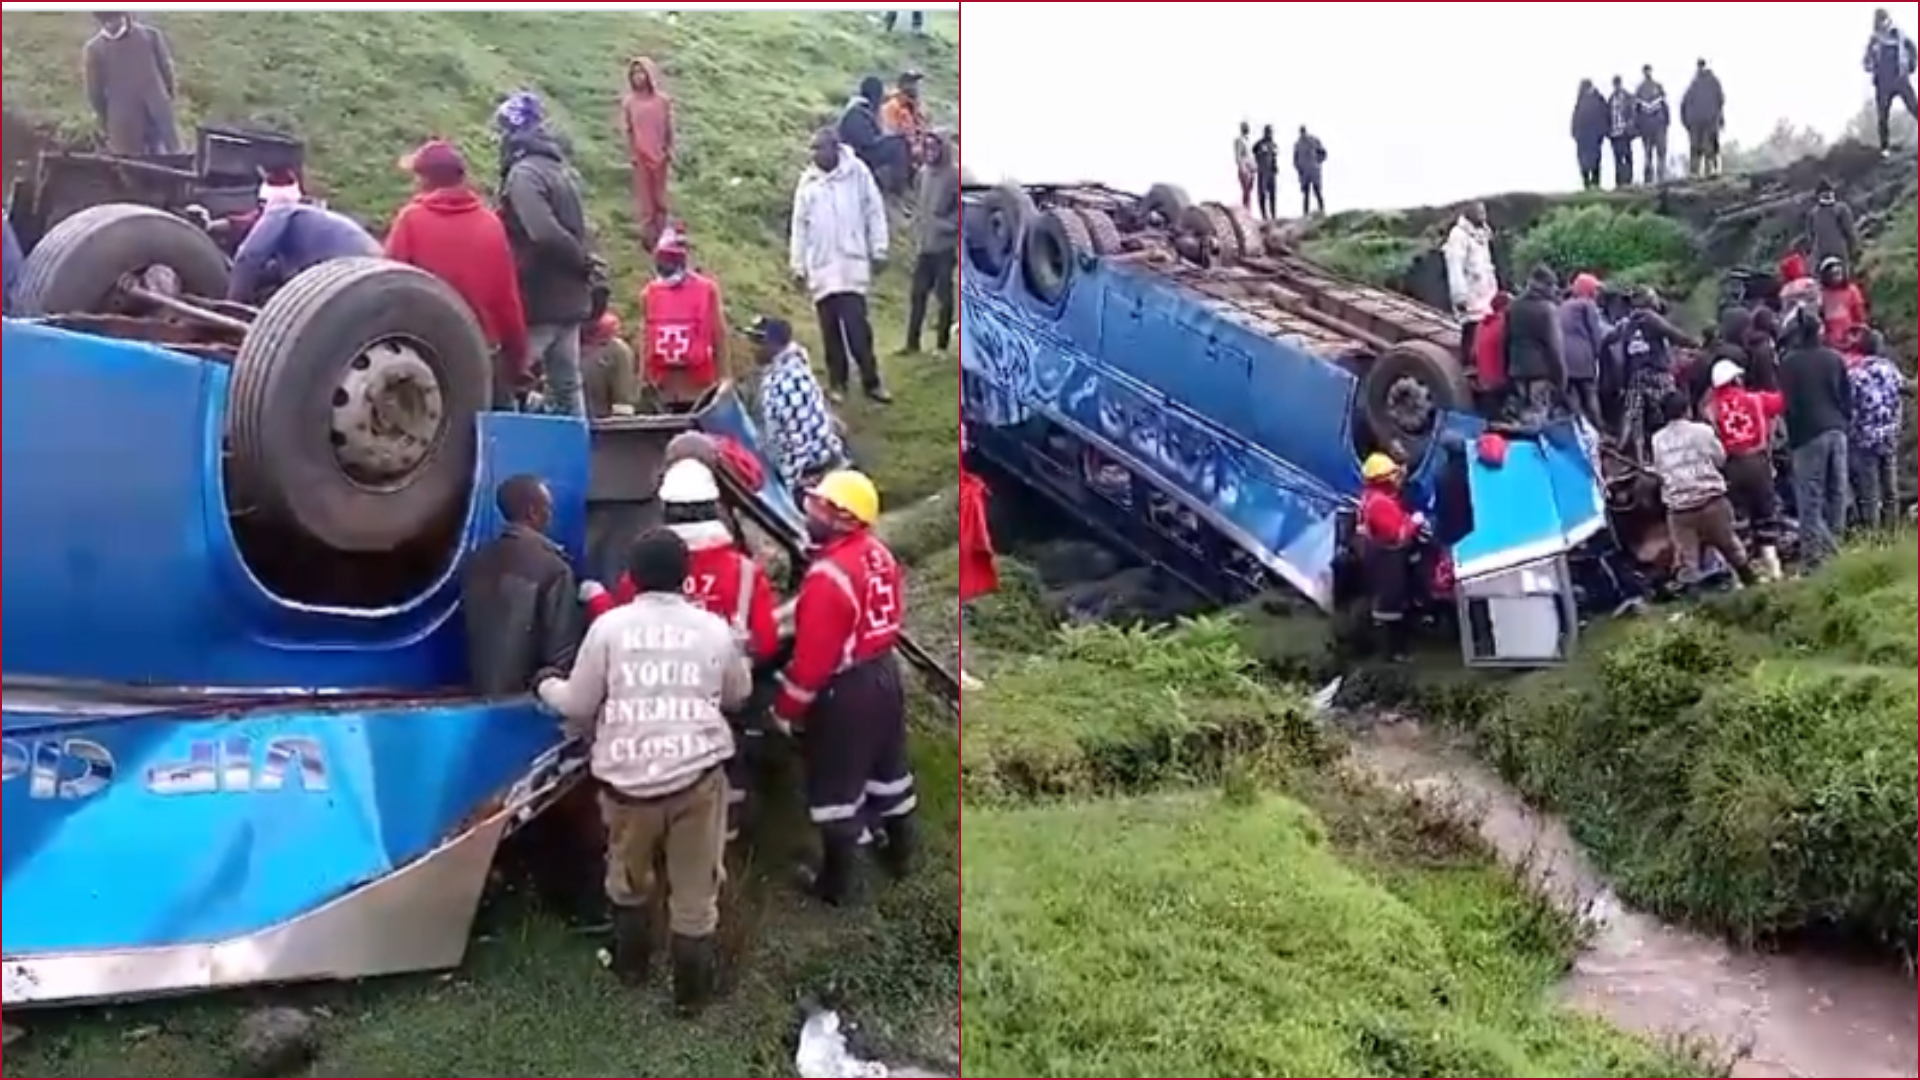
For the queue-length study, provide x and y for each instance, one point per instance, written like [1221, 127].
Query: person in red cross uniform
[721, 578]
[683, 342]
[842, 693]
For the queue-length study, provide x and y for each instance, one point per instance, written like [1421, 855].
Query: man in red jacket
[720, 578]
[684, 341]
[1843, 307]
[1388, 532]
[1744, 421]
[450, 233]
[843, 692]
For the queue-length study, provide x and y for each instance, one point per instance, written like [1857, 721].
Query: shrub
[1765, 786]
[1890, 270]
[1606, 240]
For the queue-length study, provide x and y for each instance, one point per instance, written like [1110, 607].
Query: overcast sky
[1418, 103]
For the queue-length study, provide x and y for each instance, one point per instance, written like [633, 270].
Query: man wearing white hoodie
[839, 236]
[1471, 279]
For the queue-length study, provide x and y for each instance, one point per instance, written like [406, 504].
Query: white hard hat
[1726, 373]
[689, 482]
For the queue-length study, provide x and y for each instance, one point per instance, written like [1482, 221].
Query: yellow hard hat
[1379, 467]
[851, 493]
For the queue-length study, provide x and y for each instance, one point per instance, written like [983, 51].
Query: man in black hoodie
[1591, 124]
[1703, 112]
[1819, 396]
[561, 282]
[888, 156]
[1536, 349]
[1266, 169]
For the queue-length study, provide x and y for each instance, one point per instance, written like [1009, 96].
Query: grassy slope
[1141, 901]
[363, 88]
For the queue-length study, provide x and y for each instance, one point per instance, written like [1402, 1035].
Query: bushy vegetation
[1162, 880]
[1892, 271]
[364, 87]
[1628, 246]
[1749, 766]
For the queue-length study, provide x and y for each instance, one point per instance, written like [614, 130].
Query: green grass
[362, 88]
[1750, 766]
[365, 87]
[1162, 879]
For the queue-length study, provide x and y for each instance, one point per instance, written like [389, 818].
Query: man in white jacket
[839, 237]
[1471, 278]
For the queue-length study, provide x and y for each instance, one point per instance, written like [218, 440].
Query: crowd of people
[670, 672]
[1257, 161]
[1800, 376]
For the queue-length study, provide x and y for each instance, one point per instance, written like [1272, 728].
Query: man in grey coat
[1586, 335]
[937, 234]
[129, 74]
[546, 219]
[1831, 230]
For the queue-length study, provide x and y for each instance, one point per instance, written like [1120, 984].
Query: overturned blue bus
[236, 746]
[1201, 398]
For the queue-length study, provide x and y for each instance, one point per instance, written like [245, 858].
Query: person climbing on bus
[842, 693]
[797, 427]
[15, 260]
[648, 692]
[1744, 418]
[1843, 307]
[1536, 351]
[1687, 457]
[1490, 384]
[1586, 333]
[1389, 533]
[1891, 59]
[291, 237]
[1647, 341]
[448, 231]
[1472, 279]
[683, 336]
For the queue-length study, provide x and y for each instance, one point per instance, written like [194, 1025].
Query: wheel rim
[1410, 405]
[388, 412]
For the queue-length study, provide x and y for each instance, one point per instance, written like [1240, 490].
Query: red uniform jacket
[683, 324]
[452, 235]
[1744, 418]
[722, 579]
[849, 612]
[978, 573]
[1490, 351]
[1384, 520]
[1842, 309]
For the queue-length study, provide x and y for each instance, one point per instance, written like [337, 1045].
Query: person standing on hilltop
[1309, 164]
[130, 84]
[1243, 163]
[1590, 128]
[1703, 112]
[450, 233]
[1622, 115]
[1654, 120]
[1832, 232]
[1892, 60]
[838, 236]
[646, 119]
[936, 219]
[546, 219]
[1266, 167]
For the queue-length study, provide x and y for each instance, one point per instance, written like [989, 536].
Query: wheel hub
[1410, 405]
[387, 413]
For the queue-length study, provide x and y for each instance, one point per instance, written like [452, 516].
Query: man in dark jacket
[1623, 115]
[1647, 341]
[1819, 397]
[519, 597]
[1266, 173]
[290, 237]
[1536, 349]
[889, 156]
[1831, 230]
[546, 219]
[1703, 112]
[1309, 164]
[14, 261]
[1891, 60]
[1591, 124]
[1655, 118]
[937, 236]
[1586, 335]
[129, 75]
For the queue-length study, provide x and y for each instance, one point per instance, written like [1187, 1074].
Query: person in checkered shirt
[799, 431]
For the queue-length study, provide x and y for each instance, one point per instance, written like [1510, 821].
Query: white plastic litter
[823, 1051]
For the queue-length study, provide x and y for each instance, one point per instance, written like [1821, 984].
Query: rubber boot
[695, 964]
[902, 848]
[632, 945]
[835, 881]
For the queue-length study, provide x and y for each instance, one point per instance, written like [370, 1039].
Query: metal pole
[183, 308]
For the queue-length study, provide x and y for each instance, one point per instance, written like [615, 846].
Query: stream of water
[1774, 1015]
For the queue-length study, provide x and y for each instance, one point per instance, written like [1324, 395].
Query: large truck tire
[1048, 258]
[77, 268]
[352, 406]
[1403, 392]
